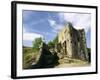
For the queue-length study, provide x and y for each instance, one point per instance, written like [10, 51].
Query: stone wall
[82, 46]
[46, 58]
[72, 43]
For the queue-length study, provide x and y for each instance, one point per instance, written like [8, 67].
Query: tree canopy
[36, 44]
[52, 43]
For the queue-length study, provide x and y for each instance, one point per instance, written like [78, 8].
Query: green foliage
[31, 54]
[27, 50]
[36, 44]
[55, 41]
[52, 43]
[28, 57]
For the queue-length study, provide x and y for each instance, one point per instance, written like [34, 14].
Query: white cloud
[54, 25]
[79, 21]
[54, 31]
[27, 36]
[52, 22]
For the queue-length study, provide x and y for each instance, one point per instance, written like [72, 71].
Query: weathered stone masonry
[72, 43]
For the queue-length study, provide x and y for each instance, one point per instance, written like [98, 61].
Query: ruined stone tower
[72, 43]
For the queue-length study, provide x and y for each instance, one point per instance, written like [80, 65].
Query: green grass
[29, 56]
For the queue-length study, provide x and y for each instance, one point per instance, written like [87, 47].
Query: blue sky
[47, 24]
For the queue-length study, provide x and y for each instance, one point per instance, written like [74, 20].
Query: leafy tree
[52, 43]
[55, 41]
[36, 44]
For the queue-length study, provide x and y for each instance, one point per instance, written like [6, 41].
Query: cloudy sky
[48, 24]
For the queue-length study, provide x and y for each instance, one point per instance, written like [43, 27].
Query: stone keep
[72, 43]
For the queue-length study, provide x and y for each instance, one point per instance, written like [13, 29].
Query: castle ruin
[72, 43]
[71, 47]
